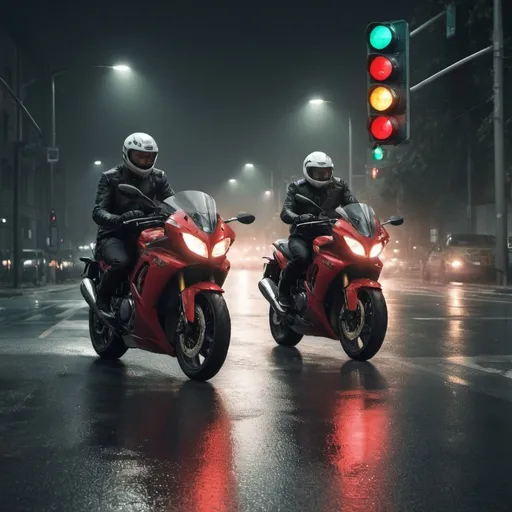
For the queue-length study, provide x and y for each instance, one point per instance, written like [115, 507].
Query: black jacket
[329, 198]
[110, 203]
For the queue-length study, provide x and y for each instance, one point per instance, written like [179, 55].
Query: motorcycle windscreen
[200, 207]
[361, 217]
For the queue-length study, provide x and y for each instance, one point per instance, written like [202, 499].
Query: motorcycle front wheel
[203, 347]
[362, 332]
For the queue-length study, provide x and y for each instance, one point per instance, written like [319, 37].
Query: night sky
[216, 86]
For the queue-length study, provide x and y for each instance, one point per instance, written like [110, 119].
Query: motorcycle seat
[282, 245]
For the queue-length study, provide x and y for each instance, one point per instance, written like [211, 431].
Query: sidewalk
[8, 291]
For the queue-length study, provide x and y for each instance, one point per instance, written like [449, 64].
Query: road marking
[14, 318]
[441, 318]
[71, 312]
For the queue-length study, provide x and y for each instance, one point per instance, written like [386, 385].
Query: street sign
[52, 155]
[450, 20]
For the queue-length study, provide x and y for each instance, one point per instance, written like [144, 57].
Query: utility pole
[350, 155]
[469, 184]
[499, 151]
[18, 169]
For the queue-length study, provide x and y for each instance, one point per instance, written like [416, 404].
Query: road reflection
[343, 426]
[169, 441]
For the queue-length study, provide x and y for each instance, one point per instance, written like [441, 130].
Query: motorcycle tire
[375, 323]
[112, 349]
[211, 309]
[281, 332]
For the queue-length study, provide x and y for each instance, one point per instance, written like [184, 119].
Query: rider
[116, 247]
[322, 188]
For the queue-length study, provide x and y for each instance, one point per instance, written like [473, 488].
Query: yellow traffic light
[383, 98]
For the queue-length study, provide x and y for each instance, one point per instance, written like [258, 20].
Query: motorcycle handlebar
[323, 221]
[143, 221]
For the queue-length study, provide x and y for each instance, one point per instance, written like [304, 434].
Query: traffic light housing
[388, 84]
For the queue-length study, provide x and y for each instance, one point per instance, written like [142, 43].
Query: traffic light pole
[453, 66]
[499, 151]
[499, 144]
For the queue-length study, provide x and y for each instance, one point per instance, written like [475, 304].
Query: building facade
[33, 179]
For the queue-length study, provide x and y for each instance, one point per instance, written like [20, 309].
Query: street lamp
[232, 180]
[268, 193]
[249, 166]
[118, 68]
[3, 220]
[122, 67]
[97, 162]
[321, 101]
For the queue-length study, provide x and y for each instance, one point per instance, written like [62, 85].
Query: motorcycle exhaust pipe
[269, 290]
[88, 291]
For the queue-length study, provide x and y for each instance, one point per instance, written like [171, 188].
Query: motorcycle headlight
[355, 246]
[221, 248]
[195, 245]
[376, 250]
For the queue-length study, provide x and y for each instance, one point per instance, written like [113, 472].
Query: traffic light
[378, 153]
[375, 173]
[53, 217]
[388, 84]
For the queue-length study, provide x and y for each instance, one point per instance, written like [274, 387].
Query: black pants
[121, 255]
[301, 251]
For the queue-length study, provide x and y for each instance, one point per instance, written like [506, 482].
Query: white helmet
[318, 168]
[140, 153]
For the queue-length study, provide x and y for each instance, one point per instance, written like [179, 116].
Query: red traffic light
[375, 173]
[382, 127]
[381, 68]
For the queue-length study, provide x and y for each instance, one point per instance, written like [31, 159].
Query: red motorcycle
[339, 297]
[172, 302]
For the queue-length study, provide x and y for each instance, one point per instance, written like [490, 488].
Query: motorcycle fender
[188, 296]
[352, 290]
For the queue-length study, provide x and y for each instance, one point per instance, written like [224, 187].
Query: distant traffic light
[378, 153]
[375, 173]
[388, 84]
[53, 217]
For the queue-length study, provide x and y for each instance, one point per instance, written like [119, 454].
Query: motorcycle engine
[301, 301]
[127, 312]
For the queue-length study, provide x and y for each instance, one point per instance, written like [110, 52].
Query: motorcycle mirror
[245, 218]
[396, 221]
[304, 200]
[129, 191]
[134, 193]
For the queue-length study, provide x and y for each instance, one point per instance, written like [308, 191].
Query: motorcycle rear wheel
[361, 337]
[107, 344]
[203, 348]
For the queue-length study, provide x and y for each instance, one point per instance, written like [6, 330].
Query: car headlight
[456, 264]
[221, 248]
[66, 264]
[376, 250]
[195, 245]
[355, 246]
[27, 263]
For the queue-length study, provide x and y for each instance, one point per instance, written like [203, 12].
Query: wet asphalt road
[426, 426]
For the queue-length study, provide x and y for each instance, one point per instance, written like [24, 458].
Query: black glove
[305, 217]
[133, 214]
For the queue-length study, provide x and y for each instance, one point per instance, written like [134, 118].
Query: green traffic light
[378, 153]
[380, 37]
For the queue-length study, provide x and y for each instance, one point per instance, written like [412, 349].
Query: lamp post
[320, 101]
